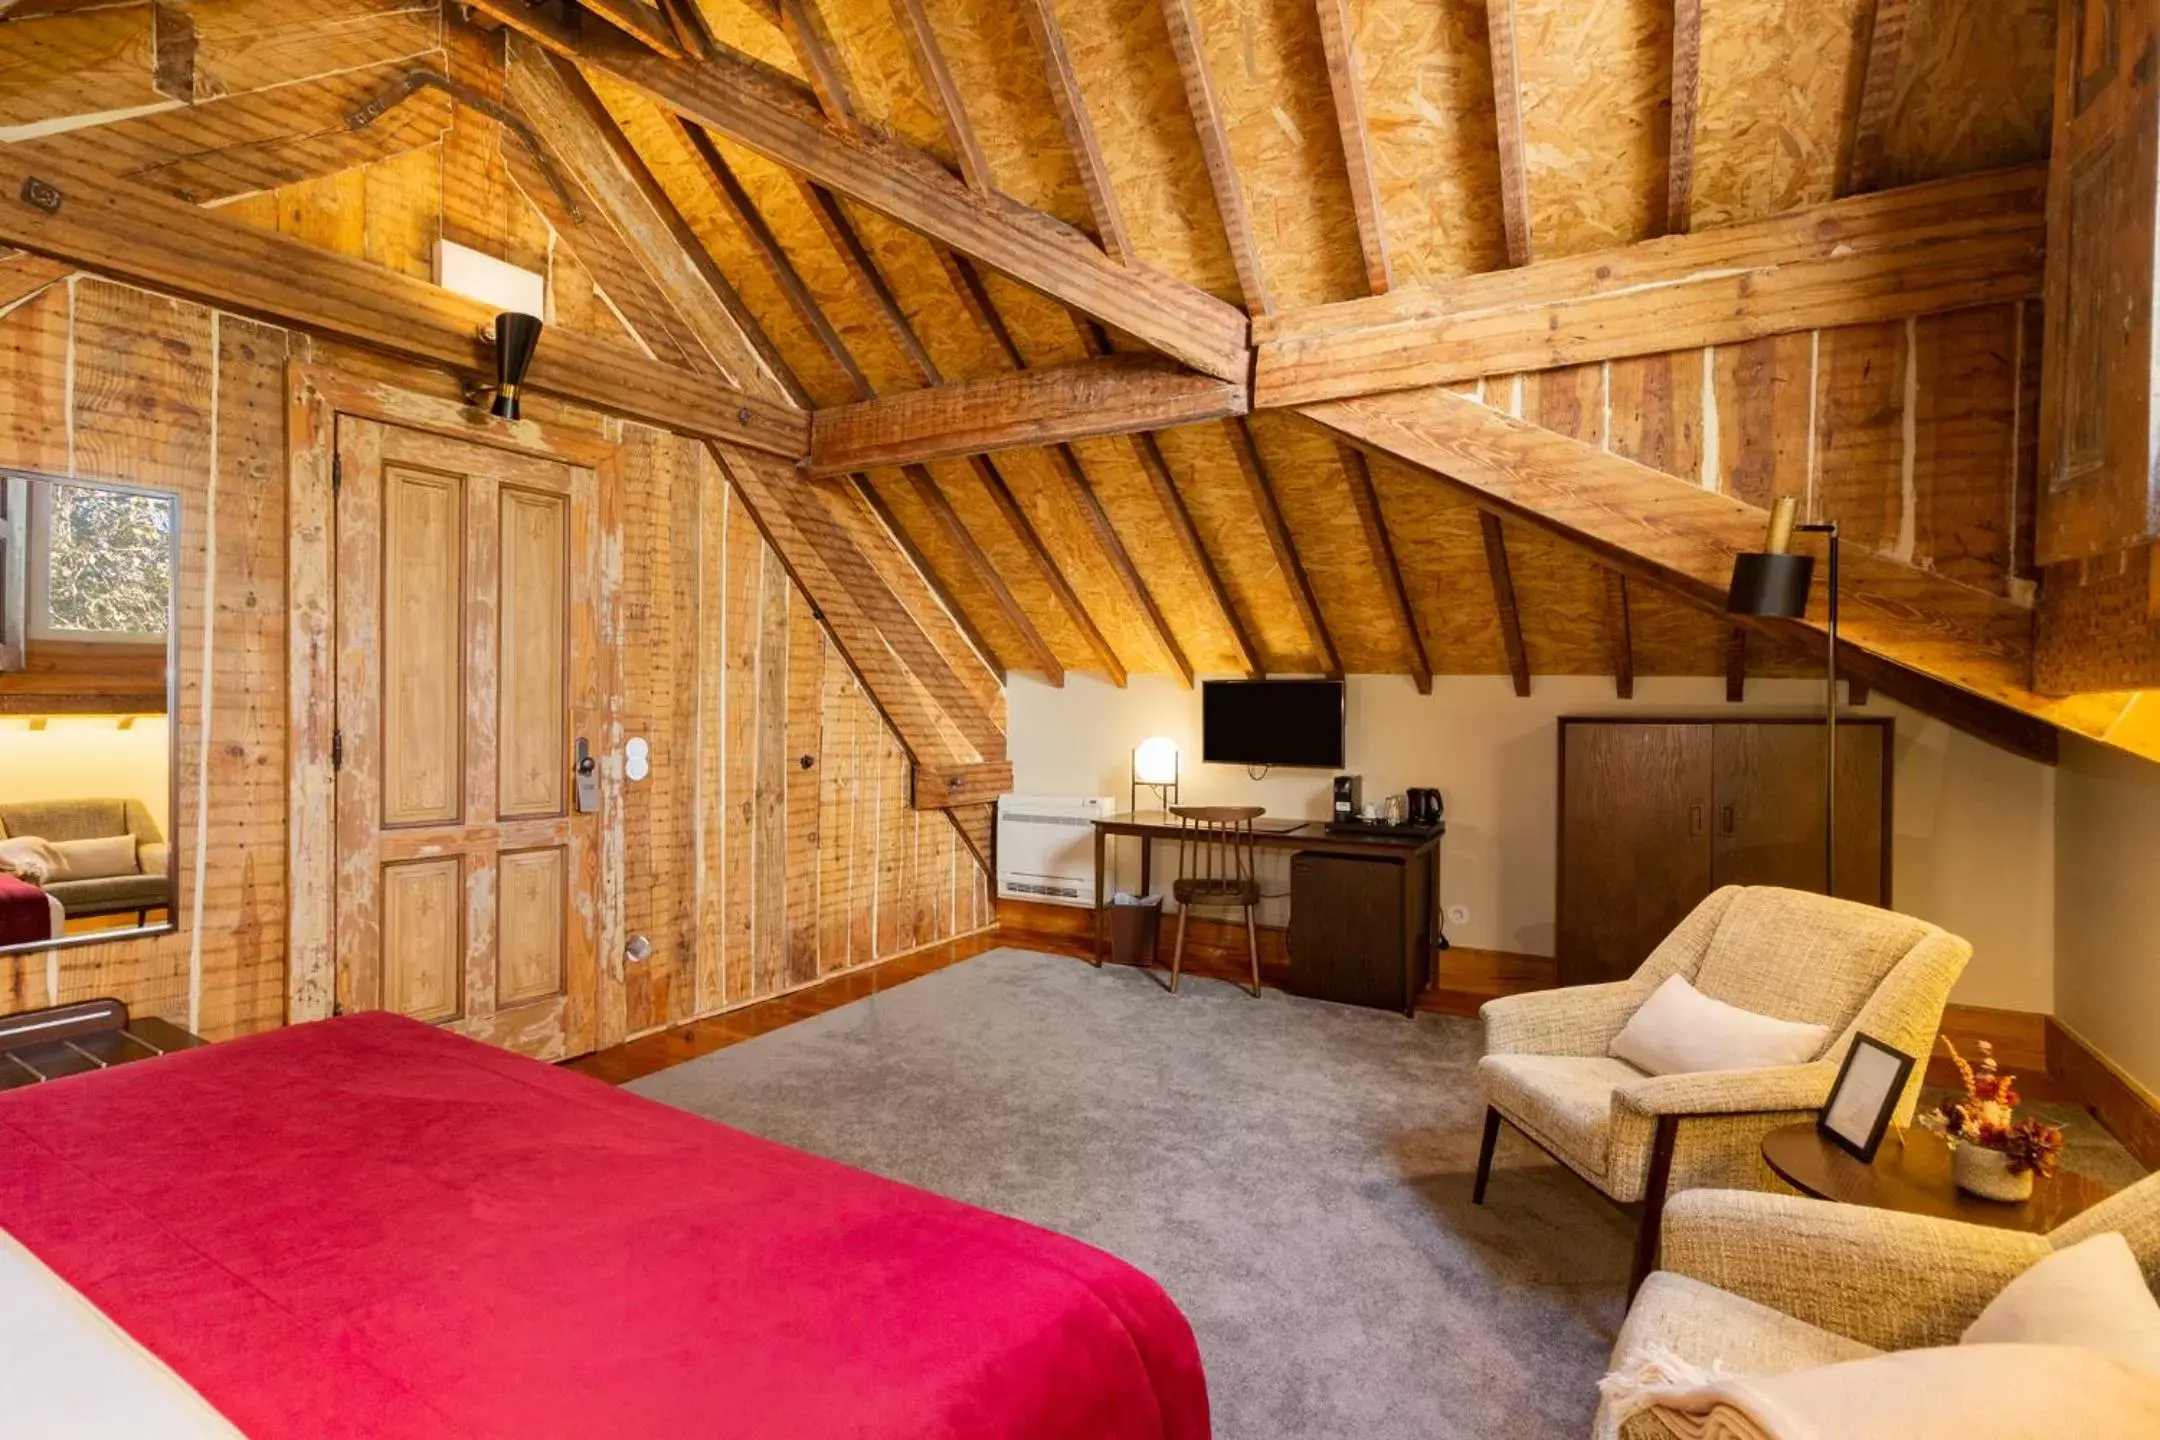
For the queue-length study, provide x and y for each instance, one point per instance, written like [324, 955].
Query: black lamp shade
[1770, 584]
[516, 337]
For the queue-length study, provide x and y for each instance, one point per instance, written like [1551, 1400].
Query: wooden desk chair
[1216, 867]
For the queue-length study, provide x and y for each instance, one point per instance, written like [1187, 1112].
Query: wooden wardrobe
[1657, 813]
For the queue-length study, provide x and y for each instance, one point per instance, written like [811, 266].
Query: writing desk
[1309, 837]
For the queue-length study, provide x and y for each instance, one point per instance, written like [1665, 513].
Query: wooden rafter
[1079, 129]
[940, 787]
[1507, 113]
[1067, 464]
[944, 94]
[933, 498]
[1262, 486]
[1214, 138]
[1920, 250]
[1338, 38]
[1503, 594]
[1735, 665]
[1619, 634]
[136, 234]
[804, 26]
[687, 23]
[1878, 90]
[641, 22]
[1149, 453]
[1365, 498]
[733, 98]
[1008, 506]
[1686, 98]
[863, 269]
[983, 649]
[1114, 395]
[1950, 650]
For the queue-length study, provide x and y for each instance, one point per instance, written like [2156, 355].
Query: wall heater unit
[1046, 847]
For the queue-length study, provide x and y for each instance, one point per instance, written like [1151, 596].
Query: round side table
[1912, 1173]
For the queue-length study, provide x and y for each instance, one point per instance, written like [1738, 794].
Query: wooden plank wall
[733, 845]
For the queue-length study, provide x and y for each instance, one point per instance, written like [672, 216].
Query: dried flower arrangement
[1987, 1116]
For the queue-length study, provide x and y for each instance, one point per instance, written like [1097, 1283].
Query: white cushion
[96, 859]
[1679, 1030]
[2091, 1294]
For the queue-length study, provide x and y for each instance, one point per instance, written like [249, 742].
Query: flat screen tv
[1272, 722]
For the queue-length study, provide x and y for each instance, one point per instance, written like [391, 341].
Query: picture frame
[1867, 1090]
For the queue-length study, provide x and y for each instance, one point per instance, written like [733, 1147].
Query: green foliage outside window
[110, 557]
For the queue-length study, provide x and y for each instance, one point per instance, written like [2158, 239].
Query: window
[100, 565]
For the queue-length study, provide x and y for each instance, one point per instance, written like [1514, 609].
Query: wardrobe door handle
[1695, 820]
[1725, 820]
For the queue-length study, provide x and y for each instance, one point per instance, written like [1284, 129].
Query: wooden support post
[1618, 634]
[1735, 665]
[1366, 499]
[1503, 590]
[1286, 556]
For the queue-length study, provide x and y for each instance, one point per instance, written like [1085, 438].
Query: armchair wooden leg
[1177, 951]
[1653, 1205]
[1252, 943]
[1484, 1155]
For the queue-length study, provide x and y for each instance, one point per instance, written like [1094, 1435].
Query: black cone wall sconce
[516, 337]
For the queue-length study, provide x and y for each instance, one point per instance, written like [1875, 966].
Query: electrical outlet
[1458, 914]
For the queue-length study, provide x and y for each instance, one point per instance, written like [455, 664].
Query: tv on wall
[1272, 722]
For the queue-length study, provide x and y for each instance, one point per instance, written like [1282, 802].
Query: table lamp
[1775, 582]
[1155, 766]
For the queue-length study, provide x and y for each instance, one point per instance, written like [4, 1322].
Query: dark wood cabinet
[1655, 814]
[1352, 919]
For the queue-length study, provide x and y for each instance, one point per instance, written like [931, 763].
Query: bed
[28, 914]
[369, 1227]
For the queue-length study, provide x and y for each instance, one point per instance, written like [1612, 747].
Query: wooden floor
[1468, 978]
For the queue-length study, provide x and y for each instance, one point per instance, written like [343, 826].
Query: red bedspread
[367, 1227]
[25, 912]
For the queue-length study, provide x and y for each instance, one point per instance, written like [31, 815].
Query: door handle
[587, 779]
[1725, 820]
[1696, 821]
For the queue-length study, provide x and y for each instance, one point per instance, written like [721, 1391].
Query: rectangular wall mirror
[87, 776]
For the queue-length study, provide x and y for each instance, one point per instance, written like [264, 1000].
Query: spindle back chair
[1217, 867]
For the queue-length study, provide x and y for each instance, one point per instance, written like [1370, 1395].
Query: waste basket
[1134, 921]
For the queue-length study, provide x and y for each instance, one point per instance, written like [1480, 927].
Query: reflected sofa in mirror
[88, 573]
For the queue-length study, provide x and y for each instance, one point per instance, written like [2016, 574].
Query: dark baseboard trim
[2130, 1112]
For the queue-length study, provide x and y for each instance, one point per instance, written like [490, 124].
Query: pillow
[33, 859]
[1680, 1030]
[96, 859]
[2092, 1294]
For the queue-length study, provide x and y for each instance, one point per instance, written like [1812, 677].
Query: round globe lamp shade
[1770, 585]
[1155, 762]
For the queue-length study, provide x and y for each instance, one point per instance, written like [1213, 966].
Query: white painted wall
[84, 757]
[2107, 915]
[1974, 849]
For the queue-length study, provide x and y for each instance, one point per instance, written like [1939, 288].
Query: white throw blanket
[1956, 1392]
[31, 858]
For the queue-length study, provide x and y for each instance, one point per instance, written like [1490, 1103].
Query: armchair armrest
[1886, 1279]
[1730, 1092]
[154, 858]
[1577, 1020]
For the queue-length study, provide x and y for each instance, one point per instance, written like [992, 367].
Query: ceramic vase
[1986, 1173]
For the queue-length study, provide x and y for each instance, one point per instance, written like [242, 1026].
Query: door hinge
[337, 750]
[337, 473]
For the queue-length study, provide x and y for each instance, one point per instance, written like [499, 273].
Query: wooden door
[1769, 794]
[1634, 841]
[466, 649]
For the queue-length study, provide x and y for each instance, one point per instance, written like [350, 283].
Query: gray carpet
[1296, 1175]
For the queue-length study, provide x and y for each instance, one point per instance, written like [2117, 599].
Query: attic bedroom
[1052, 719]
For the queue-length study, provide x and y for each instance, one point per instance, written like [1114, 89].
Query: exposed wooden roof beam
[1878, 89]
[944, 94]
[1079, 129]
[1507, 112]
[863, 269]
[1214, 138]
[1686, 97]
[804, 25]
[1338, 38]
[983, 649]
[1285, 548]
[1114, 395]
[1067, 464]
[1619, 634]
[1953, 651]
[1503, 594]
[731, 97]
[688, 25]
[1735, 665]
[1366, 500]
[136, 234]
[640, 22]
[1924, 249]
[940, 787]
[934, 499]
[1061, 588]
[1157, 468]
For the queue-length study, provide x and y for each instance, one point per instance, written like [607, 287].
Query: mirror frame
[171, 924]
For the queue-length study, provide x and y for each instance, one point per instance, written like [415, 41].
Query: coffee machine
[1349, 798]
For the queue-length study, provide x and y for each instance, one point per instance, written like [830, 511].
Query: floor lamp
[1775, 582]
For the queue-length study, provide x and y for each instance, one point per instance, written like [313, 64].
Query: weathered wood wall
[749, 870]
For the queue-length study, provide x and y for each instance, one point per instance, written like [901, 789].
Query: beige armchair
[1638, 1138]
[1763, 1284]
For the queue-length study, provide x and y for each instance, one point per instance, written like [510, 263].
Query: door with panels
[467, 647]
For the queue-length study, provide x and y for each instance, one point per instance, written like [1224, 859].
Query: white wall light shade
[479, 276]
[1155, 762]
